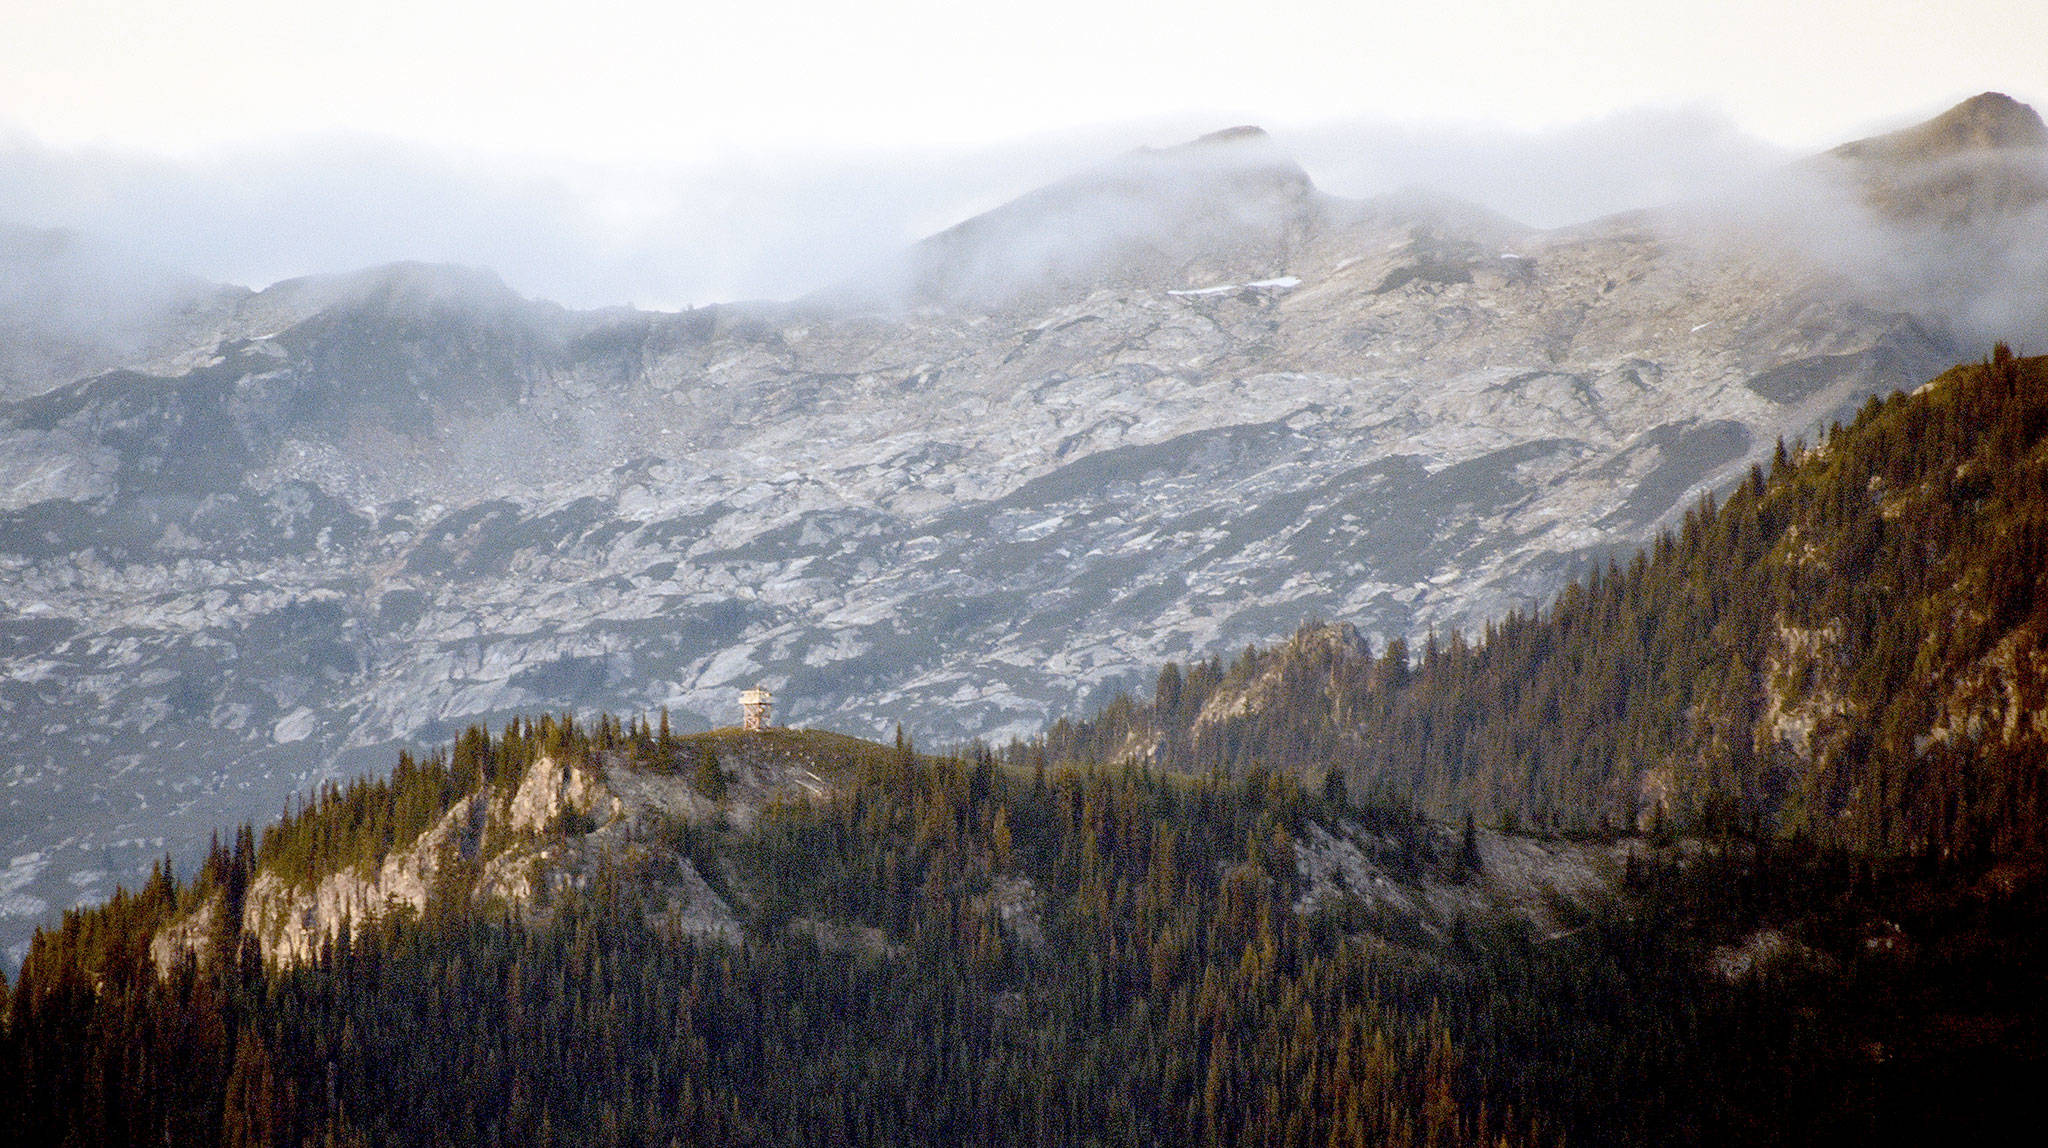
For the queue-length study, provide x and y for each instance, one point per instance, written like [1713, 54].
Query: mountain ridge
[334, 526]
[1013, 919]
[1990, 121]
[1985, 159]
[1851, 648]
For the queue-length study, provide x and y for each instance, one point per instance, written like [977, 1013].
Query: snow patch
[1281, 283]
[21, 871]
[295, 726]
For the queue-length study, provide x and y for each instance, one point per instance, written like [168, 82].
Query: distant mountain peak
[406, 283]
[1225, 206]
[1992, 121]
[1235, 152]
[1237, 134]
[1981, 163]
[1246, 148]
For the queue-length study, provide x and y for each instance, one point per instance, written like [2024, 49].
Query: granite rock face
[509, 852]
[1159, 411]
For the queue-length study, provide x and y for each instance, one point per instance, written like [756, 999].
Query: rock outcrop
[1416, 874]
[291, 924]
[523, 851]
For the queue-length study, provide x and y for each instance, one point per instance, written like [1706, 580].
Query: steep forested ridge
[952, 952]
[1853, 647]
[1140, 1004]
[1823, 697]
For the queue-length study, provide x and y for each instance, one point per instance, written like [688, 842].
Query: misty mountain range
[1157, 410]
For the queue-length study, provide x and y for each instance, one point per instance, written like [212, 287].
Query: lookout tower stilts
[754, 706]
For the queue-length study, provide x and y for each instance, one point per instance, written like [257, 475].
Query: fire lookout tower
[754, 706]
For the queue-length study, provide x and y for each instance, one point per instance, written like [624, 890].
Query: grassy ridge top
[822, 750]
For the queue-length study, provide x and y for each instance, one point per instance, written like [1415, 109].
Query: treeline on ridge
[1144, 1010]
[1854, 646]
[1170, 989]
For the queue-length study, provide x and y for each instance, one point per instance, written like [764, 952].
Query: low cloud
[780, 227]
[1632, 160]
[1962, 242]
[579, 234]
[749, 227]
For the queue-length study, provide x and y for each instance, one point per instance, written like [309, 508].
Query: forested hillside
[1853, 647]
[951, 952]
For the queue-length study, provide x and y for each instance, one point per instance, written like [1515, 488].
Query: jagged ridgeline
[1853, 646]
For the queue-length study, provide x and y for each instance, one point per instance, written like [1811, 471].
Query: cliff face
[291, 924]
[518, 850]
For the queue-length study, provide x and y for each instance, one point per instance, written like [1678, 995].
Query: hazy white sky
[682, 151]
[690, 81]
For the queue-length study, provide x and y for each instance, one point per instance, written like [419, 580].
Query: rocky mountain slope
[1162, 409]
[1852, 648]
